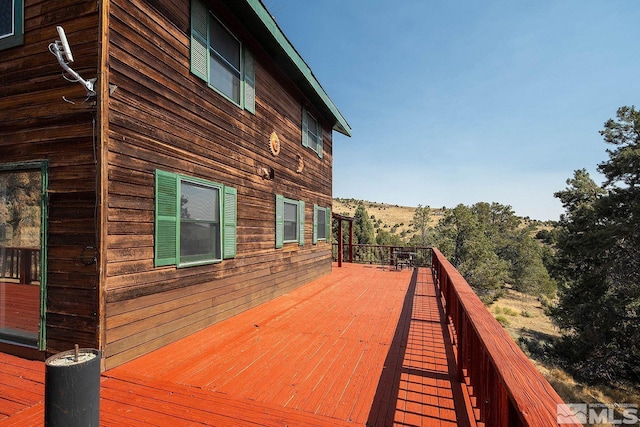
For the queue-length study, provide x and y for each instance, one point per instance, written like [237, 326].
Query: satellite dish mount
[60, 47]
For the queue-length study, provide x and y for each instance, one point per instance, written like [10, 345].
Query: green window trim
[200, 57]
[309, 139]
[15, 35]
[168, 220]
[280, 221]
[317, 212]
[249, 81]
[230, 223]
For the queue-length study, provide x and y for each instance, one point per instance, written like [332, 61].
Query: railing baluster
[504, 385]
[21, 264]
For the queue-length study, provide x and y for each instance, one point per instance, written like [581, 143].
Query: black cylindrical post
[72, 388]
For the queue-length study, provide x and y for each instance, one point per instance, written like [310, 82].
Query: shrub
[502, 320]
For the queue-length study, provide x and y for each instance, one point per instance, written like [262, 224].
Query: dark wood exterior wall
[163, 117]
[37, 124]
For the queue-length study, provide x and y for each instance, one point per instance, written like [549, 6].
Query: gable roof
[263, 27]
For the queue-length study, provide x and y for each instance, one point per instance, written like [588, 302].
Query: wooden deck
[361, 346]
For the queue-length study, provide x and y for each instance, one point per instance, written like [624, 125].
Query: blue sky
[466, 101]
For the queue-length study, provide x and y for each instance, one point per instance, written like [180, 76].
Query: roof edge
[271, 25]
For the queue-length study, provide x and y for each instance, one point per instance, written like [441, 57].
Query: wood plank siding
[161, 116]
[36, 124]
[151, 113]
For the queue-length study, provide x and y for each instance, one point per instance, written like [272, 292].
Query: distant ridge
[392, 218]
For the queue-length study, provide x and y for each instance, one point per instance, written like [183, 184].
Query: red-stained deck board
[21, 385]
[361, 346]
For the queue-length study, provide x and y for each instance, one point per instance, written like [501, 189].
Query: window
[224, 59]
[311, 132]
[289, 221]
[199, 222]
[11, 23]
[195, 221]
[219, 58]
[321, 223]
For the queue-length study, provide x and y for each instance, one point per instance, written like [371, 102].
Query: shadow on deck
[361, 346]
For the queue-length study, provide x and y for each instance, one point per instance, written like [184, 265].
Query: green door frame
[44, 204]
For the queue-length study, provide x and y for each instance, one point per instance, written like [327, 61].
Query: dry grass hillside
[399, 219]
[526, 320]
[393, 218]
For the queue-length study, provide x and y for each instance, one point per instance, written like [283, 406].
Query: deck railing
[20, 264]
[383, 254]
[507, 389]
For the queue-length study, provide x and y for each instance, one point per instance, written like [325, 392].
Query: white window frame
[217, 239]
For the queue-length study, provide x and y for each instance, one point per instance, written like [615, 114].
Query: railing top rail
[531, 394]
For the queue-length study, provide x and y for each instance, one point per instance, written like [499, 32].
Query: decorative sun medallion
[274, 144]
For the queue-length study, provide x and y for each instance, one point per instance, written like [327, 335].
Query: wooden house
[186, 177]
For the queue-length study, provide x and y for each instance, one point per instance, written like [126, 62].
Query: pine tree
[362, 228]
[599, 260]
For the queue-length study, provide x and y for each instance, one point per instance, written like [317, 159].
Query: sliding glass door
[22, 253]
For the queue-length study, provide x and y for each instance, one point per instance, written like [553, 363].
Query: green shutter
[230, 222]
[301, 223]
[199, 39]
[249, 82]
[305, 127]
[319, 141]
[315, 224]
[279, 221]
[166, 218]
[328, 225]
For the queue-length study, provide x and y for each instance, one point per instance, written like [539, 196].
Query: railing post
[25, 266]
[340, 243]
[351, 242]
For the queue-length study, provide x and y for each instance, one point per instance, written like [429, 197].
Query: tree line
[487, 242]
[588, 262]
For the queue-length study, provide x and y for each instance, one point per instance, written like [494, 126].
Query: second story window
[219, 58]
[311, 132]
[224, 58]
[11, 23]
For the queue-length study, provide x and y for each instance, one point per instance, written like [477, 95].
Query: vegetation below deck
[580, 274]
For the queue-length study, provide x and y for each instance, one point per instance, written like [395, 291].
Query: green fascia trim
[261, 11]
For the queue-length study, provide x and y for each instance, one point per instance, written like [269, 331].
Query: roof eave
[261, 24]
